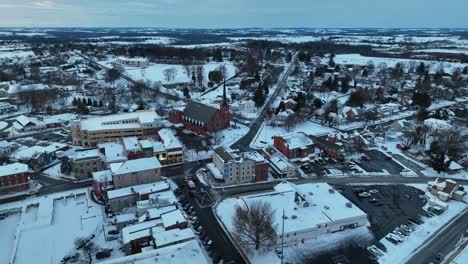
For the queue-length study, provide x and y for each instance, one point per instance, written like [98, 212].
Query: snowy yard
[229, 136]
[155, 72]
[54, 172]
[56, 220]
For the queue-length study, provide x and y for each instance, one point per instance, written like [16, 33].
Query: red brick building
[102, 182]
[294, 145]
[14, 178]
[201, 118]
[261, 165]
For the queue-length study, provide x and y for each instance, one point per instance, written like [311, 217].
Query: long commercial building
[91, 131]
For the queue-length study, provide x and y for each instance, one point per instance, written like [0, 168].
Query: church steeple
[225, 102]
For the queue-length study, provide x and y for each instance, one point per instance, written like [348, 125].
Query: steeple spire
[225, 102]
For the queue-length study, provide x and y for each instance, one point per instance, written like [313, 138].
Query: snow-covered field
[12, 54]
[363, 60]
[45, 230]
[265, 133]
[401, 253]
[284, 39]
[155, 72]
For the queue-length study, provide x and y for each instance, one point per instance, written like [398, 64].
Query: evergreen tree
[75, 102]
[89, 103]
[259, 97]
[95, 103]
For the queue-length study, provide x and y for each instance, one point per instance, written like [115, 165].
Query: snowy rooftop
[131, 144]
[28, 153]
[176, 254]
[133, 232]
[137, 165]
[280, 163]
[114, 151]
[297, 140]
[173, 218]
[253, 155]
[324, 205]
[214, 171]
[140, 189]
[172, 236]
[120, 121]
[14, 168]
[102, 176]
[155, 213]
[170, 141]
[87, 153]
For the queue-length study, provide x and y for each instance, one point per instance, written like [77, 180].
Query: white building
[136, 62]
[310, 210]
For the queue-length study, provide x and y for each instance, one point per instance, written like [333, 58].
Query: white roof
[133, 232]
[172, 236]
[131, 144]
[280, 163]
[14, 168]
[59, 118]
[175, 254]
[137, 165]
[28, 153]
[297, 140]
[24, 120]
[170, 141]
[102, 176]
[140, 189]
[318, 197]
[173, 218]
[253, 155]
[114, 151]
[87, 153]
[154, 213]
[120, 121]
[214, 171]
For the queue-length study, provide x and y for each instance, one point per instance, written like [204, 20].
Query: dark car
[103, 254]
[112, 232]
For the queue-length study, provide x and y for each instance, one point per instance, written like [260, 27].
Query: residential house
[295, 146]
[445, 189]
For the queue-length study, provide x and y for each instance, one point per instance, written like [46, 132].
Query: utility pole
[282, 241]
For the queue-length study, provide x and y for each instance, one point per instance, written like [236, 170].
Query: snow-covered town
[231, 145]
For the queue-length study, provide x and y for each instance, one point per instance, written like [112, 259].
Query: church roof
[199, 112]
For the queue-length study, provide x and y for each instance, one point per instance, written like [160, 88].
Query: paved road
[244, 142]
[222, 245]
[443, 242]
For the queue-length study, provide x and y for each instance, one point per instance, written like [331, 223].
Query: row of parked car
[199, 230]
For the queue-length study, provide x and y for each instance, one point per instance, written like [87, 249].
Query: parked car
[439, 258]
[103, 254]
[364, 194]
[365, 158]
[110, 238]
[112, 232]
[402, 147]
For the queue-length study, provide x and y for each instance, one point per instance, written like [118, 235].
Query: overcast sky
[235, 13]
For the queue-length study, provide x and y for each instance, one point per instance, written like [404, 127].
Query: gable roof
[200, 112]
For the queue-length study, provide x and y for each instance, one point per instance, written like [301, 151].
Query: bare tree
[199, 71]
[169, 74]
[223, 70]
[254, 224]
[86, 248]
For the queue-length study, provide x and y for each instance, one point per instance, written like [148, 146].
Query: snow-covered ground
[227, 137]
[12, 54]
[47, 226]
[264, 135]
[155, 72]
[54, 172]
[400, 253]
[363, 60]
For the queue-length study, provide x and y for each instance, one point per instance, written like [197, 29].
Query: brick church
[201, 118]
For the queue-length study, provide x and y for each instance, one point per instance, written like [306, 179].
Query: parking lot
[378, 161]
[387, 207]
